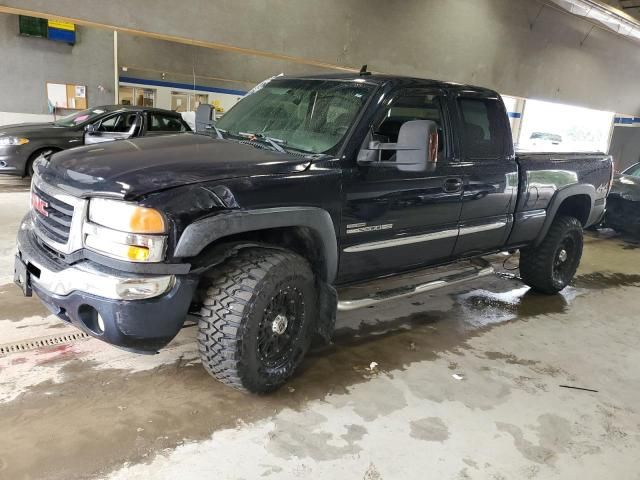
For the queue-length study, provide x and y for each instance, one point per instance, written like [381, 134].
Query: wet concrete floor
[86, 410]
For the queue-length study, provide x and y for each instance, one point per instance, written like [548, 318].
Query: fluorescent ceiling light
[607, 16]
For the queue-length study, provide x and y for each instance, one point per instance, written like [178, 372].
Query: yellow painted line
[178, 39]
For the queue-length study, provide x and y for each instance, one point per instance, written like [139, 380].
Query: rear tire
[550, 267]
[256, 318]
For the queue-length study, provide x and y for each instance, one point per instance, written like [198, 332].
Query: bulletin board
[67, 96]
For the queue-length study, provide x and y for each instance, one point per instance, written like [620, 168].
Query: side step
[393, 288]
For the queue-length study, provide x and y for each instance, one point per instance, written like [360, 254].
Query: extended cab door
[394, 221]
[489, 170]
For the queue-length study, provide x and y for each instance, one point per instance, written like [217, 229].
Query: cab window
[410, 105]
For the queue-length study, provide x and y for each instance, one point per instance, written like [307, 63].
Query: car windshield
[79, 117]
[307, 115]
[633, 171]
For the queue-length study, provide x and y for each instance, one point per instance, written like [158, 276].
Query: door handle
[452, 185]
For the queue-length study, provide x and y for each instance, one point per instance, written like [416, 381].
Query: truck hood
[133, 168]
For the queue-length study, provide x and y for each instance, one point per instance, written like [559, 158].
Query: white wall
[8, 118]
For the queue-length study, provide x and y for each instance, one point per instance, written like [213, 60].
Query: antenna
[363, 70]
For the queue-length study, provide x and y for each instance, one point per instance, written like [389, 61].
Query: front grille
[56, 224]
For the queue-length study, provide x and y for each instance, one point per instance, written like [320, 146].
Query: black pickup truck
[307, 186]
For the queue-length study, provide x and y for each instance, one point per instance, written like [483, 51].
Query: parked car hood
[132, 168]
[26, 129]
[626, 187]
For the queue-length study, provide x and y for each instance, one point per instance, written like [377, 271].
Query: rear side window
[164, 123]
[484, 133]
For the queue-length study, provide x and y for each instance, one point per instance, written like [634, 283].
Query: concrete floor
[86, 410]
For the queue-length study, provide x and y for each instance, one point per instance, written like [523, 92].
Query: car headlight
[125, 231]
[12, 141]
[126, 217]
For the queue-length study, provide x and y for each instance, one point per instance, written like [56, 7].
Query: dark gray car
[623, 205]
[21, 144]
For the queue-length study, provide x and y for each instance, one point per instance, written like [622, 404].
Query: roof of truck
[398, 81]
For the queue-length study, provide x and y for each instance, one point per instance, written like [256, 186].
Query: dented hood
[132, 168]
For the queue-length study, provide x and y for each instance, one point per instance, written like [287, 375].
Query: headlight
[7, 141]
[125, 231]
[126, 217]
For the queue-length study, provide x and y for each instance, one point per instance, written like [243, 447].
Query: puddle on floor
[133, 415]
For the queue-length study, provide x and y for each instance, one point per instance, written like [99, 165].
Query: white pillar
[116, 73]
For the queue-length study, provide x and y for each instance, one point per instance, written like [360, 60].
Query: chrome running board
[477, 269]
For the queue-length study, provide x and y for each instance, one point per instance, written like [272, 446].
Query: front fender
[203, 232]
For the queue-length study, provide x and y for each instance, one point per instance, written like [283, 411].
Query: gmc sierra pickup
[307, 186]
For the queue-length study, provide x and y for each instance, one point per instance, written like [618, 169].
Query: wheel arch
[36, 153]
[576, 200]
[308, 231]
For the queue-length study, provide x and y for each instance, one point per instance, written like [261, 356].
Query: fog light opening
[91, 319]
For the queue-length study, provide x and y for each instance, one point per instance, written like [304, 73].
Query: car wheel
[256, 318]
[32, 159]
[550, 267]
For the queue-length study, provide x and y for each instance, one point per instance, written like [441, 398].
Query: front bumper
[91, 297]
[13, 159]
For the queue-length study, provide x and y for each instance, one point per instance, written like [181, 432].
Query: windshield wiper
[218, 131]
[276, 143]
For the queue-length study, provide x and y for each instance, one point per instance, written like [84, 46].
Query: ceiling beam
[182, 40]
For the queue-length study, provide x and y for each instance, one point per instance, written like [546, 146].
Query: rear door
[489, 170]
[159, 123]
[392, 220]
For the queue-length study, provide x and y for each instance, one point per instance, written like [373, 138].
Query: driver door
[119, 126]
[395, 221]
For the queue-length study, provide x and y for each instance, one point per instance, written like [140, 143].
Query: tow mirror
[416, 149]
[204, 118]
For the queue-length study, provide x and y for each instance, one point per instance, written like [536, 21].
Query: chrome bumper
[61, 280]
[86, 279]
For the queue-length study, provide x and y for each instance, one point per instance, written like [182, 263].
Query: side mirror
[416, 149]
[417, 146]
[204, 118]
[90, 129]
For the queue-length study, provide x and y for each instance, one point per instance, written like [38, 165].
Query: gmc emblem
[39, 205]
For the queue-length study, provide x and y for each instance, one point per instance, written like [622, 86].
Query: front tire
[550, 267]
[29, 166]
[256, 319]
